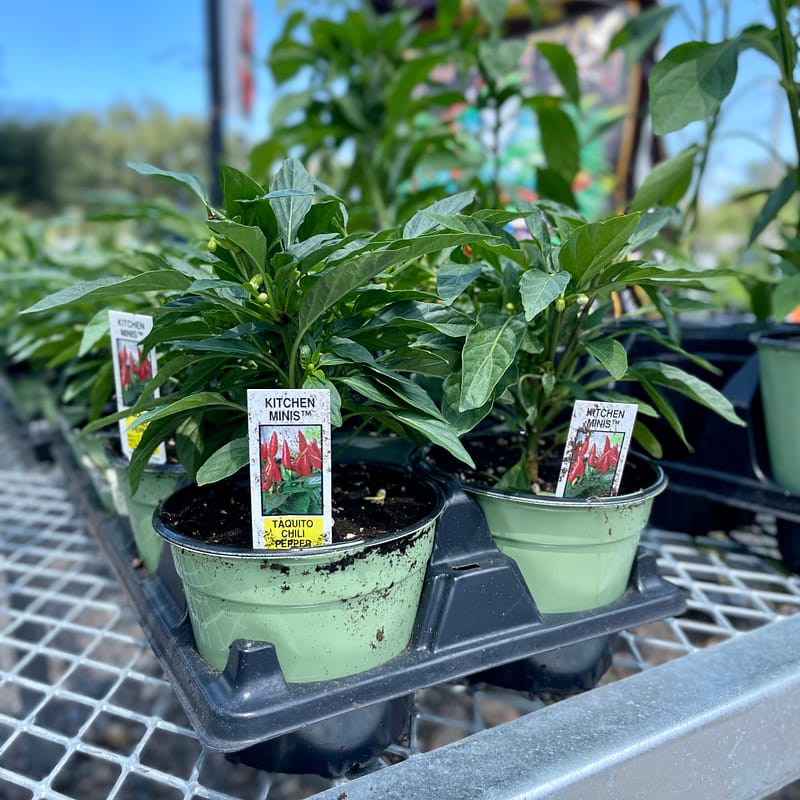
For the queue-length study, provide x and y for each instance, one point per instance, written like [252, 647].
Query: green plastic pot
[158, 482]
[329, 611]
[574, 554]
[779, 370]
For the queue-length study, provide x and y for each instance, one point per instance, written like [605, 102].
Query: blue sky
[58, 57]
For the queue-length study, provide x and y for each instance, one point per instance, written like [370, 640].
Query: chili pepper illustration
[272, 447]
[314, 455]
[286, 456]
[577, 470]
[302, 466]
[593, 456]
[603, 465]
[271, 474]
[581, 449]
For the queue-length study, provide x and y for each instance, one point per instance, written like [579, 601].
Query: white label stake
[289, 432]
[132, 370]
[597, 445]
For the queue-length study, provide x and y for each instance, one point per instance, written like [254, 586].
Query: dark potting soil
[495, 454]
[220, 513]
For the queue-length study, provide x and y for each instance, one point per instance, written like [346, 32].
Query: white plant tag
[132, 370]
[597, 445]
[289, 432]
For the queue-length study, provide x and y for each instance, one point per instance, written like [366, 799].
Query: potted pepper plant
[282, 296]
[543, 335]
[680, 98]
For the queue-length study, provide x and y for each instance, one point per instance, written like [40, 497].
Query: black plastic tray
[477, 620]
[726, 481]
[475, 613]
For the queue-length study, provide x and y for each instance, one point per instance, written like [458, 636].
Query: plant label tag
[597, 445]
[289, 432]
[132, 370]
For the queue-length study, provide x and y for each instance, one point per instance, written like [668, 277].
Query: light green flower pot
[574, 554]
[158, 482]
[779, 369]
[329, 611]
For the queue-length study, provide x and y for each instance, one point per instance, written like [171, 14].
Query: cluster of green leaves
[68, 347]
[285, 297]
[375, 86]
[691, 84]
[541, 332]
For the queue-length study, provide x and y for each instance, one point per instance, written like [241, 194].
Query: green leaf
[644, 409]
[461, 421]
[688, 385]
[559, 141]
[563, 66]
[664, 407]
[690, 83]
[667, 182]
[315, 381]
[786, 296]
[247, 237]
[95, 330]
[493, 13]
[185, 178]
[551, 184]
[436, 431]
[489, 350]
[422, 222]
[429, 316]
[367, 388]
[500, 61]
[341, 280]
[594, 246]
[291, 208]
[237, 186]
[162, 280]
[775, 201]
[650, 224]
[228, 460]
[646, 440]
[452, 279]
[640, 33]
[611, 354]
[288, 57]
[539, 289]
[199, 400]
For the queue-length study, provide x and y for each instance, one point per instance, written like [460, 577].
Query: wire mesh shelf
[86, 713]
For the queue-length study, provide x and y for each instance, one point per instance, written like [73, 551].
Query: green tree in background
[48, 164]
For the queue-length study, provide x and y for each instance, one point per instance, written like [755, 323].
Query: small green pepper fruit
[561, 303]
[211, 245]
[263, 298]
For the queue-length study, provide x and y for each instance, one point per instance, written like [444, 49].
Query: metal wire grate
[86, 713]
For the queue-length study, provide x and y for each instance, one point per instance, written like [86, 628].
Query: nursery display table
[705, 705]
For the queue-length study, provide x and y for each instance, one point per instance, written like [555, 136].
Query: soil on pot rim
[494, 454]
[219, 513]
